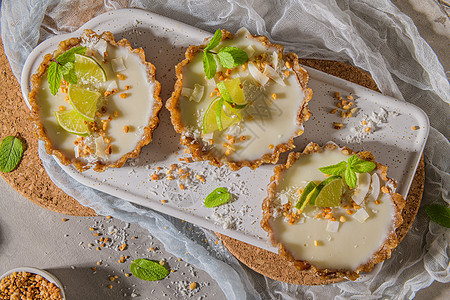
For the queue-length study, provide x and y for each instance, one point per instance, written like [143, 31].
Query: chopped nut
[182, 187]
[123, 95]
[122, 247]
[286, 73]
[385, 189]
[65, 220]
[154, 176]
[126, 129]
[274, 96]
[333, 111]
[288, 64]
[415, 127]
[193, 285]
[337, 125]
[349, 211]
[164, 201]
[377, 202]
[127, 87]
[271, 146]
[337, 94]
[120, 76]
[367, 129]
[316, 243]
[342, 219]
[62, 108]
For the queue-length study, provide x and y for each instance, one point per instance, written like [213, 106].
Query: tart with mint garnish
[95, 101]
[239, 100]
[332, 212]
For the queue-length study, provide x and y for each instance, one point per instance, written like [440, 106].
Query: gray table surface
[33, 236]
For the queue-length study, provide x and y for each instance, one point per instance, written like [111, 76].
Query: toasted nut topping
[193, 285]
[120, 76]
[274, 96]
[126, 129]
[316, 243]
[123, 95]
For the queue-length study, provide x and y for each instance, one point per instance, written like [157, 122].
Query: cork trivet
[271, 264]
[30, 178]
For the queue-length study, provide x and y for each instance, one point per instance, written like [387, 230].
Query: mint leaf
[71, 77]
[209, 65]
[69, 55]
[215, 40]
[360, 165]
[350, 177]
[439, 214]
[11, 151]
[54, 77]
[336, 169]
[146, 269]
[217, 197]
[65, 68]
[230, 57]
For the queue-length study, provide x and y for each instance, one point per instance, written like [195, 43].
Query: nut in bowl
[95, 101]
[30, 283]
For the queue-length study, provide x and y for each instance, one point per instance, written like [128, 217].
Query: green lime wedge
[83, 101]
[302, 201]
[330, 195]
[232, 91]
[88, 70]
[220, 110]
[311, 198]
[72, 122]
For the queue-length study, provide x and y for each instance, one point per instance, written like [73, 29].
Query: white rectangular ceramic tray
[394, 143]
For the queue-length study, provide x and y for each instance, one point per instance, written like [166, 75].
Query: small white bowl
[50, 277]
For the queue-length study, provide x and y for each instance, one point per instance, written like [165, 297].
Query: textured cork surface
[273, 266]
[30, 178]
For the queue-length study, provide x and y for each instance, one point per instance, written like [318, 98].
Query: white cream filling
[344, 246]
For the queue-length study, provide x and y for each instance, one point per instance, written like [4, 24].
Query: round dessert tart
[95, 101]
[332, 212]
[239, 100]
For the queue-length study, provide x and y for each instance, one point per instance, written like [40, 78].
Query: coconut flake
[275, 60]
[197, 94]
[118, 65]
[186, 92]
[375, 186]
[249, 50]
[100, 47]
[361, 215]
[272, 74]
[283, 199]
[332, 226]
[362, 188]
[257, 75]
[100, 147]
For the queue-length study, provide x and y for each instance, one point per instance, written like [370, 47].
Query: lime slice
[330, 195]
[72, 122]
[83, 101]
[232, 91]
[302, 201]
[88, 70]
[228, 116]
[311, 198]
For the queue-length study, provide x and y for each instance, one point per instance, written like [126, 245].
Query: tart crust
[197, 147]
[41, 131]
[384, 251]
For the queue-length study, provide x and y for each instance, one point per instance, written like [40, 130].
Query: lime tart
[332, 212]
[95, 101]
[239, 100]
